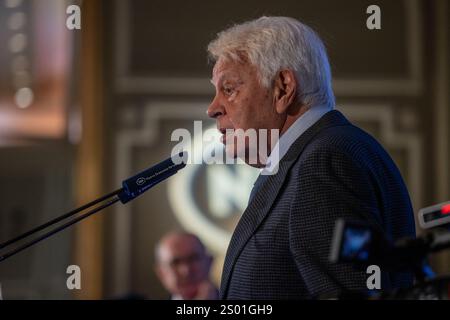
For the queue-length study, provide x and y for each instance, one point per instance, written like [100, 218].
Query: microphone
[131, 188]
[141, 182]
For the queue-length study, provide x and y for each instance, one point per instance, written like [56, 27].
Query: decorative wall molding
[411, 86]
[442, 104]
[44, 174]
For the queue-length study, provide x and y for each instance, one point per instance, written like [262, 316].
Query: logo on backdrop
[207, 197]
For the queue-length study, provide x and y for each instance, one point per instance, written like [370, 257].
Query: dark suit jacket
[281, 245]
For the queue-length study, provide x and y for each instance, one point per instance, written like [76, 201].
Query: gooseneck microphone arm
[131, 188]
[56, 230]
[58, 219]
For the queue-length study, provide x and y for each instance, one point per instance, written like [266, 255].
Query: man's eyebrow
[227, 75]
[220, 79]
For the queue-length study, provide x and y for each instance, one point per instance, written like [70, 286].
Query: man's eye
[228, 90]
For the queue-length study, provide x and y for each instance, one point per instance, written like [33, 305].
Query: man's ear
[285, 90]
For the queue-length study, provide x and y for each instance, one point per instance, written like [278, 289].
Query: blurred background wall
[80, 110]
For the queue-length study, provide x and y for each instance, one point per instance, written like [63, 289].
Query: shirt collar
[303, 123]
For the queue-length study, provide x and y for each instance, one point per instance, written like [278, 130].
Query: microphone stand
[131, 188]
[11, 253]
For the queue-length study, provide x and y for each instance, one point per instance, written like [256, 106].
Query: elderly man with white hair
[273, 73]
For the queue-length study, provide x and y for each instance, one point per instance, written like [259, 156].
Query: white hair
[273, 44]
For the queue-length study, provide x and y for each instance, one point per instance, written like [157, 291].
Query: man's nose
[215, 109]
[184, 269]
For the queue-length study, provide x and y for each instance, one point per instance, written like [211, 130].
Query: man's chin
[189, 292]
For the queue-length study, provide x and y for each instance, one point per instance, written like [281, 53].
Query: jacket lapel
[260, 205]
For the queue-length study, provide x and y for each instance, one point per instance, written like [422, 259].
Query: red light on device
[446, 209]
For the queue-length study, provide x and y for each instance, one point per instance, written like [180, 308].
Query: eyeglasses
[188, 260]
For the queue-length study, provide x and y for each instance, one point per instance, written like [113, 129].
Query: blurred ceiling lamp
[16, 21]
[34, 70]
[13, 3]
[18, 43]
[24, 98]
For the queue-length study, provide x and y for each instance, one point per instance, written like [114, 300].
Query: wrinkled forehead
[179, 247]
[230, 69]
